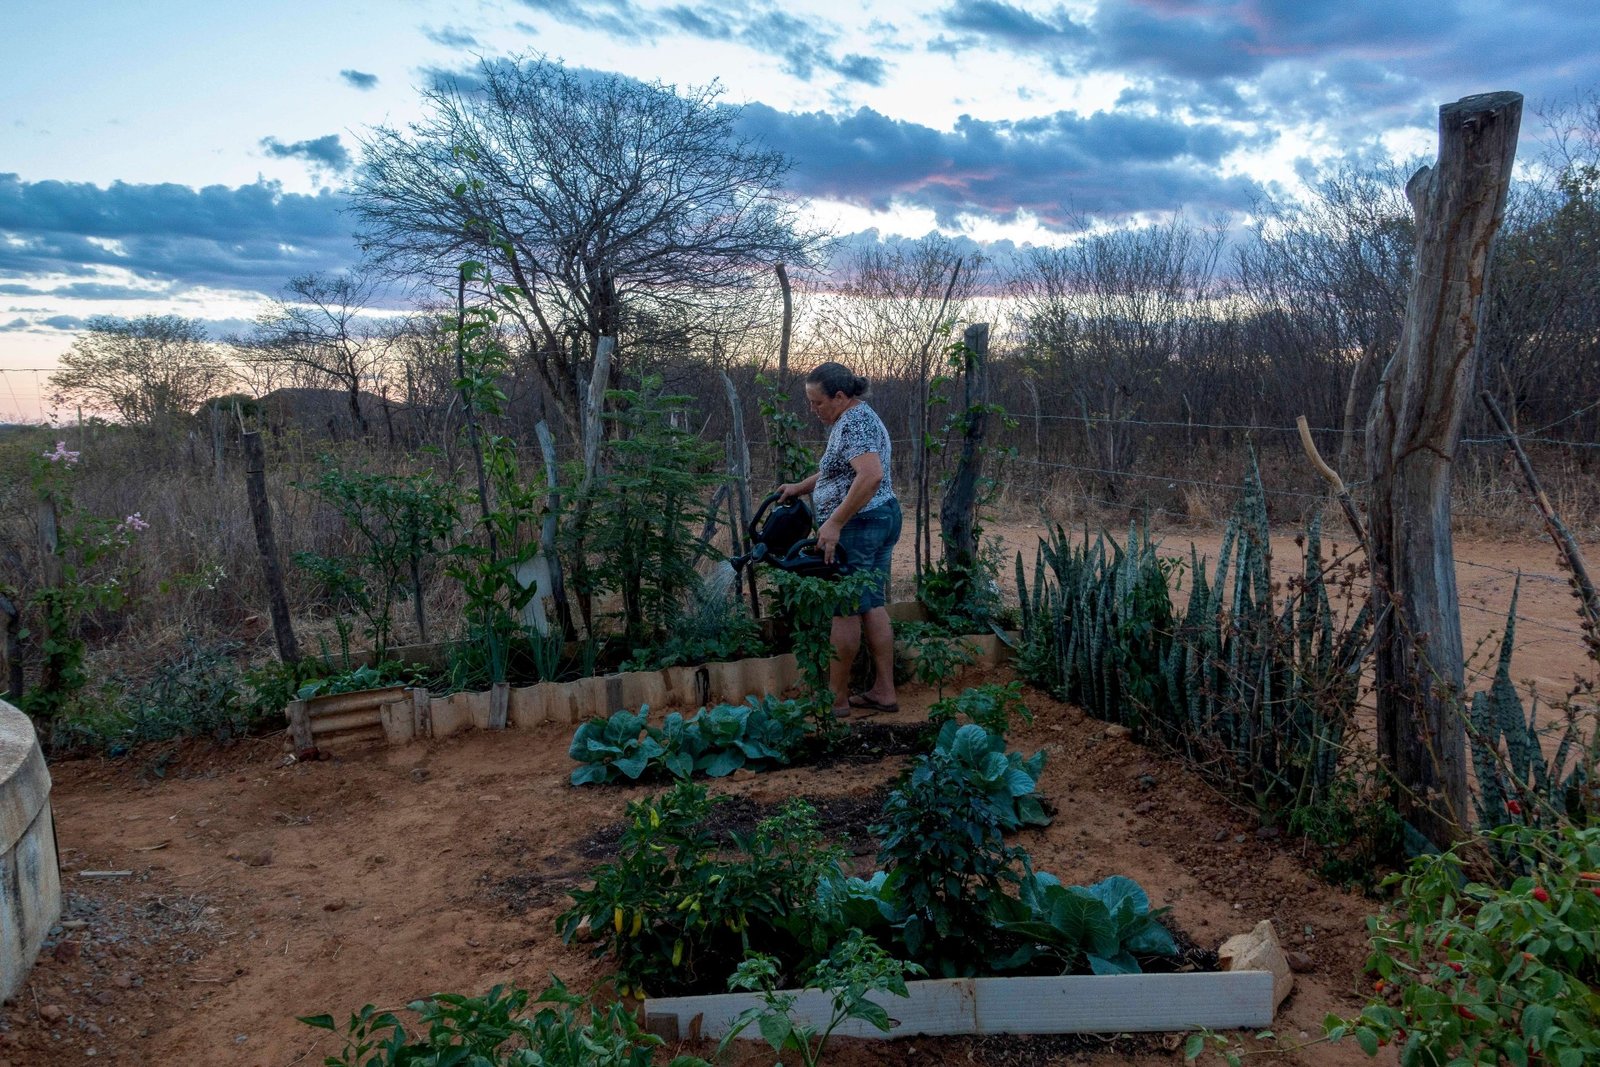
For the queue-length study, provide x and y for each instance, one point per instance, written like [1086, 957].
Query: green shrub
[990, 706]
[713, 629]
[1006, 778]
[1500, 971]
[937, 655]
[946, 863]
[493, 1031]
[200, 694]
[678, 909]
[856, 967]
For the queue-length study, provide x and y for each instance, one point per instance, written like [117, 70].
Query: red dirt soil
[261, 891]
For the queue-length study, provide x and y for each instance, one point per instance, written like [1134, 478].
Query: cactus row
[1516, 782]
[1258, 693]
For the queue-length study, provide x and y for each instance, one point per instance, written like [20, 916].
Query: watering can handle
[808, 547]
[755, 520]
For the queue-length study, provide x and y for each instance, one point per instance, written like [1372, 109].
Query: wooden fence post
[786, 331]
[255, 480]
[958, 513]
[1412, 437]
[741, 486]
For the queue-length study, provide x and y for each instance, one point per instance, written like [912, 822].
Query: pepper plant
[1500, 968]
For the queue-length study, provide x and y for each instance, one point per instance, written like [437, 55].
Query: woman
[854, 498]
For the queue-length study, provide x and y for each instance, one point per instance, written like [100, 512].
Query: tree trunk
[958, 514]
[549, 527]
[255, 480]
[1412, 436]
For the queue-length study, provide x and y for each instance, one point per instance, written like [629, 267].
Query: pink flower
[61, 453]
[129, 526]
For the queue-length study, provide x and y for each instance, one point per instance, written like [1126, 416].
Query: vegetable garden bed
[397, 715]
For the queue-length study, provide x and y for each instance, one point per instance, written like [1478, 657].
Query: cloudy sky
[188, 156]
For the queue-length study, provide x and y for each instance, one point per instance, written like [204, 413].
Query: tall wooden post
[787, 329]
[1412, 435]
[958, 514]
[255, 481]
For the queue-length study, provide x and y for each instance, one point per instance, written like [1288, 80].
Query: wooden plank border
[1072, 1004]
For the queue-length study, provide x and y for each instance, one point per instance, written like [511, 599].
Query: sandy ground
[261, 891]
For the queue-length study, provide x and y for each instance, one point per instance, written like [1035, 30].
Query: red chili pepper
[1465, 1012]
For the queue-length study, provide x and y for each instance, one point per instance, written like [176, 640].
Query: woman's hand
[828, 538]
[788, 491]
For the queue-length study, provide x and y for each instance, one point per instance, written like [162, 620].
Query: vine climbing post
[958, 513]
[1412, 435]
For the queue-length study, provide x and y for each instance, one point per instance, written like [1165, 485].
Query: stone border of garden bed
[30, 875]
[1071, 1004]
[398, 715]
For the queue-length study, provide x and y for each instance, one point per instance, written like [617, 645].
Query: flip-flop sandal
[865, 703]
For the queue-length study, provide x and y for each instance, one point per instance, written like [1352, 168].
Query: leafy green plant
[638, 540]
[715, 741]
[937, 656]
[1107, 925]
[679, 908]
[493, 1031]
[358, 679]
[511, 506]
[991, 706]
[1354, 824]
[622, 745]
[1501, 970]
[791, 461]
[400, 522]
[1007, 779]
[946, 863]
[809, 604]
[858, 966]
[712, 629]
[92, 573]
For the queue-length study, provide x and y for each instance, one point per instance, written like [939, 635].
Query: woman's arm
[790, 490]
[869, 475]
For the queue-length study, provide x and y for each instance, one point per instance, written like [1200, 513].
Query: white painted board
[1121, 1003]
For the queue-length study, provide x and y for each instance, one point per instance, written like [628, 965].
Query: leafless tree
[1107, 321]
[1542, 321]
[322, 326]
[1339, 257]
[598, 202]
[149, 371]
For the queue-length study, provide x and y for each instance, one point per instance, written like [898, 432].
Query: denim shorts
[868, 540]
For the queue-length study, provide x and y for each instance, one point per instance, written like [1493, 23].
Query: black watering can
[783, 539]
